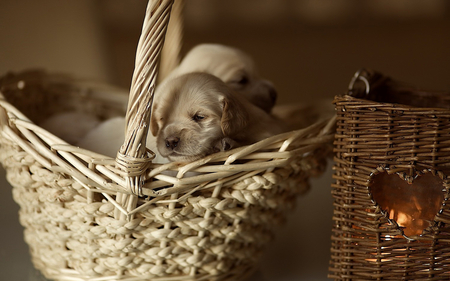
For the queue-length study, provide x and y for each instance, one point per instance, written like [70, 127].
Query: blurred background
[309, 49]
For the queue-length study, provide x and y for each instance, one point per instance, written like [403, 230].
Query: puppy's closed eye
[198, 117]
[241, 81]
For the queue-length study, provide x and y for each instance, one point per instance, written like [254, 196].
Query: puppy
[233, 67]
[197, 114]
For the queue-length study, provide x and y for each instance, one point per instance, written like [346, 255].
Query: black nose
[172, 142]
[273, 94]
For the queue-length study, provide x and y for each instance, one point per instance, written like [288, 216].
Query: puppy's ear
[154, 128]
[234, 115]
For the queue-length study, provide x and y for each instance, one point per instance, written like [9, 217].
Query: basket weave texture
[375, 137]
[90, 217]
[214, 224]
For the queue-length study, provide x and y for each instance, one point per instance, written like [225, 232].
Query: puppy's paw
[226, 144]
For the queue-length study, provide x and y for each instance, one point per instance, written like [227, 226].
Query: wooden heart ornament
[412, 205]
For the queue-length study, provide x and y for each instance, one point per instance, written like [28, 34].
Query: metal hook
[359, 76]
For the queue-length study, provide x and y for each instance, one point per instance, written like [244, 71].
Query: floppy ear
[234, 115]
[154, 128]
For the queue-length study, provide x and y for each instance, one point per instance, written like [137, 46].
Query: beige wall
[52, 34]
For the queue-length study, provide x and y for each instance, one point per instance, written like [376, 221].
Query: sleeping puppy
[233, 67]
[197, 114]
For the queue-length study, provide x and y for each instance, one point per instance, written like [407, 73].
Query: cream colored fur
[197, 114]
[232, 66]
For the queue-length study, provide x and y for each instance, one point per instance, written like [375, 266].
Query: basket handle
[133, 156]
[170, 54]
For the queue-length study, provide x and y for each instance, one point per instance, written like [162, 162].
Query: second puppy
[197, 114]
[232, 66]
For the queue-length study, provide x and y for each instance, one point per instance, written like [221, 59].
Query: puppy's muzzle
[172, 142]
[273, 94]
[266, 95]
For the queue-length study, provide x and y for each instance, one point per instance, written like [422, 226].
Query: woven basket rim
[369, 102]
[278, 150]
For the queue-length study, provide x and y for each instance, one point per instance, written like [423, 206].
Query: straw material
[400, 141]
[91, 217]
[210, 226]
[170, 54]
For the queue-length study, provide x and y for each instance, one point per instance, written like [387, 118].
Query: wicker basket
[90, 217]
[392, 154]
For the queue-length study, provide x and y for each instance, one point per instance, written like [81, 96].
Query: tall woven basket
[392, 155]
[90, 217]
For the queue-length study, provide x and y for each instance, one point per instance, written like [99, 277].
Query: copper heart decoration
[412, 205]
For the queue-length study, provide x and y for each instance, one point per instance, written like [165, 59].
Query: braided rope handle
[133, 156]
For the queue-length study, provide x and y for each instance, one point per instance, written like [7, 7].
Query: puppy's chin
[223, 144]
[175, 157]
[179, 157]
[186, 153]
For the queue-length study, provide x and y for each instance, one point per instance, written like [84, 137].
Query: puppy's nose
[273, 94]
[172, 142]
[269, 88]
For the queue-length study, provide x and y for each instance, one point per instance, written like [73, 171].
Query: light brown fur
[233, 67]
[197, 114]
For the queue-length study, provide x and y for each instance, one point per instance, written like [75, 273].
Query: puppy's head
[233, 67]
[194, 115]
